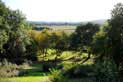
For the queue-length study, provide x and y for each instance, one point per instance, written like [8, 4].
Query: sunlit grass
[34, 75]
[25, 79]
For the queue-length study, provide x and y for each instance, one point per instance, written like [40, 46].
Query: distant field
[63, 28]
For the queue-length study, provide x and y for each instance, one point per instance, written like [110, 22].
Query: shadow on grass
[35, 74]
[37, 69]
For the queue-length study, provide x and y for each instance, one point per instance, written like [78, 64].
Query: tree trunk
[89, 55]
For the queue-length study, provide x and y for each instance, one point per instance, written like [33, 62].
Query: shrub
[48, 65]
[105, 71]
[8, 69]
[56, 76]
[77, 71]
[25, 65]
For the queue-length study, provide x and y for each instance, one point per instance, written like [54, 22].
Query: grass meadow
[36, 73]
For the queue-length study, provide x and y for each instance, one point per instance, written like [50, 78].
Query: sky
[63, 10]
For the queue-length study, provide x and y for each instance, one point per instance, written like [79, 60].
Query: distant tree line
[53, 23]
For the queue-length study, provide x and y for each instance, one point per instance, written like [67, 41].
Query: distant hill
[101, 21]
[40, 23]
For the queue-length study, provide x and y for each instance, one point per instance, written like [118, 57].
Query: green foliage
[99, 45]
[47, 66]
[108, 42]
[59, 41]
[115, 33]
[31, 50]
[81, 39]
[56, 76]
[106, 71]
[83, 36]
[3, 39]
[77, 71]
[13, 34]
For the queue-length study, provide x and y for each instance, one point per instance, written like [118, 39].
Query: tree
[3, 26]
[82, 38]
[3, 39]
[115, 34]
[13, 30]
[99, 45]
[108, 43]
[59, 41]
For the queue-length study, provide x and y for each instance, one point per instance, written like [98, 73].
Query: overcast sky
[63, 10]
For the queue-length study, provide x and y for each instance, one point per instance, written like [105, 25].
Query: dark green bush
[106, 71]
[77, 71]
[47, 65]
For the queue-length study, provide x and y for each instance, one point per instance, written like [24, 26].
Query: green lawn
[26, 79]
[34, 75]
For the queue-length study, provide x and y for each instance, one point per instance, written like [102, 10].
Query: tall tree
[108, 43]
[82, 38]
[115, 34]
[13, 30]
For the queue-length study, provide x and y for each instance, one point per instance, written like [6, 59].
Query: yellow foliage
[35, 35]
[42, 37]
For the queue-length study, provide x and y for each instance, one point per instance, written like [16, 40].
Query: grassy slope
[35, 74]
